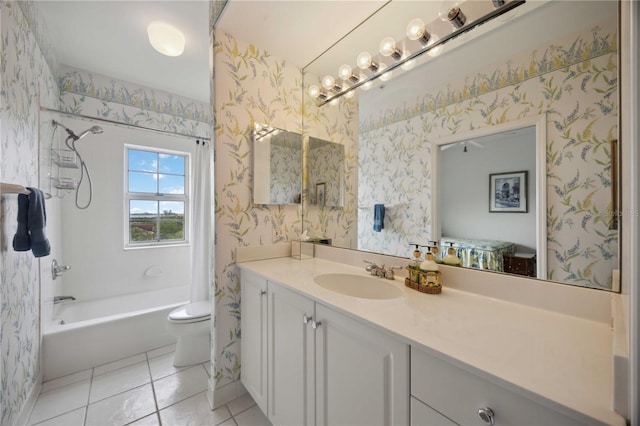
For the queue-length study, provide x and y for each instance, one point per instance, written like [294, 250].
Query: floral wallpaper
[26, 84]
[250, 86]
[337, 124]
[574, 82]
[95, 95]
[286, 173]
[394, 169]
[326, 165]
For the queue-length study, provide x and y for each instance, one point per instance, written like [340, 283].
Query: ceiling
[110, 37]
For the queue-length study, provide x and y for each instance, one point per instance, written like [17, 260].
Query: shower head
[94, 130]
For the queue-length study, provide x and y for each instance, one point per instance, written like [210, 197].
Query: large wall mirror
[434, 140]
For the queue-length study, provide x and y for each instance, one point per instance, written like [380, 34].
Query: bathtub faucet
[60, 299]
[57, 270]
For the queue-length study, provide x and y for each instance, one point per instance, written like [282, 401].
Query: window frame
[146, 196]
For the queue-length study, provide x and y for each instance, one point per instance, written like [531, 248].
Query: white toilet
[191, 324]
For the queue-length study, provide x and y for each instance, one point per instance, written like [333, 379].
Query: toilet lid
[191, 311]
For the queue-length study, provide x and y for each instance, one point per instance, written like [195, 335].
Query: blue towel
[378, 217]
[37, 223]
[22, 239]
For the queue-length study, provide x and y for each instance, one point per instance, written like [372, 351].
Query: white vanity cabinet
[253, 322]
[323, 367]
[439, 388]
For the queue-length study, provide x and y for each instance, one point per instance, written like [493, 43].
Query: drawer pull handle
[486, 416]
[315, 324]
[306, 319]
[263, 292]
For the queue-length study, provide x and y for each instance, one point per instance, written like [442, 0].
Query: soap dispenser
[430, 275]
[436, 252]
[414, 263]
[451, 258]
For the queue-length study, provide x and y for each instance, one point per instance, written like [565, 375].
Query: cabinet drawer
[423, 415]
[458, 395]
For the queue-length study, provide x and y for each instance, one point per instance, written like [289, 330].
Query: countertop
[561, 361]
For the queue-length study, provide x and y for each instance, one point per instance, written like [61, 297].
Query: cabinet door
[253, 323]
[291, 367]
[423, 415]
[362, 374]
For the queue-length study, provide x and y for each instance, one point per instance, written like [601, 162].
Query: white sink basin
[358, 286]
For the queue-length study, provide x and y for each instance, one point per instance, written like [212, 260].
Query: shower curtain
[201, 229]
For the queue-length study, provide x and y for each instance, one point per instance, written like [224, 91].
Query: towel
[378, 217]
[37, 223]
[22, 239]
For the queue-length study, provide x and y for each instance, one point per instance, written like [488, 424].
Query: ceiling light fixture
[166, 39]
[419, 41]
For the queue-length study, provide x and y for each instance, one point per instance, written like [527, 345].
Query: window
[156, 201]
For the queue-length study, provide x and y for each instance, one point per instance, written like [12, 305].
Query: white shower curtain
[201, 238]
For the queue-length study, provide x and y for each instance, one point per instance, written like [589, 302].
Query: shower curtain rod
[117, 123]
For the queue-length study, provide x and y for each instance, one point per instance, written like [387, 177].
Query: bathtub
[86, 334]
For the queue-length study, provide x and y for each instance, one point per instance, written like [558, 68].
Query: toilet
[191, 324]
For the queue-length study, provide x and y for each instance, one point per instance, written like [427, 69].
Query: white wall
[464, 183]
[93, 239]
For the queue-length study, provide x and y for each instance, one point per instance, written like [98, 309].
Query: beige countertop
[561, 361]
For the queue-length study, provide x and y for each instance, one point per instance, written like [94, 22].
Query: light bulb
[166, 39]
[345, 72]
[436, 50]
[408, 64]
[367, 85]
[364, 60]
[388, 48]
[417, 31]
[348, 94]
[334, 102]
[314, 91]
[384, 76]
[328, 82]
[450, 12]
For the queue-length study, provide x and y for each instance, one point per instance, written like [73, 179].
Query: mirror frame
[540, 124]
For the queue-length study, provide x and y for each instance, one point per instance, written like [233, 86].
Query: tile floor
[144, 389]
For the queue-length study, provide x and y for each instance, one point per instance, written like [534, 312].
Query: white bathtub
[86, 334]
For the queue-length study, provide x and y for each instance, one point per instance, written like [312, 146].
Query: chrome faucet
[57, 270]
[61, 299]
[380, 271]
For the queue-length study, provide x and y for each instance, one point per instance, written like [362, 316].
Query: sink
[365, 287]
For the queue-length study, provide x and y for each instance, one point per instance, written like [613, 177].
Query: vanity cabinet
[323, 367]
[468, 399]
[253, 350]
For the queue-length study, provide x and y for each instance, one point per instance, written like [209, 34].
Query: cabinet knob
[263, 292]
[315, 324]
[306, 319]
[486, 416]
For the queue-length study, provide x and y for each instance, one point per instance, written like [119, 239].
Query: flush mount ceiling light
[403, 54]
[166, 39]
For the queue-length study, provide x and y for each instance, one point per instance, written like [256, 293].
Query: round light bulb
[364, 60]
[436, 50]
[367, 85]
[334, 102]
[415, 29]
[348, 94]
[450, 12]
[328, 82]
[385, 76]
[408, 64]
[445, 7]
[387, 46]
[314, 91]
[345, 71]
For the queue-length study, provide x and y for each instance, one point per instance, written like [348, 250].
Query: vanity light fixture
[166, 39]
[264, 130]
[419, 41]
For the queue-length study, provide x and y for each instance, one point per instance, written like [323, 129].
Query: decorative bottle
[451, 258]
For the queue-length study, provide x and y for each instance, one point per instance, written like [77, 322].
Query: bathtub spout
[61, 299]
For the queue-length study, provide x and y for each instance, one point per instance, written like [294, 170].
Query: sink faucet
[380, 271]
[60, 299]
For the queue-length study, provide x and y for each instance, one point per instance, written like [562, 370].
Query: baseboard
[23, 417]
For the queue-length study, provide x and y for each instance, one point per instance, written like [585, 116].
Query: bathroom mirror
[277, 165]
[499, 73]
[326, 173]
